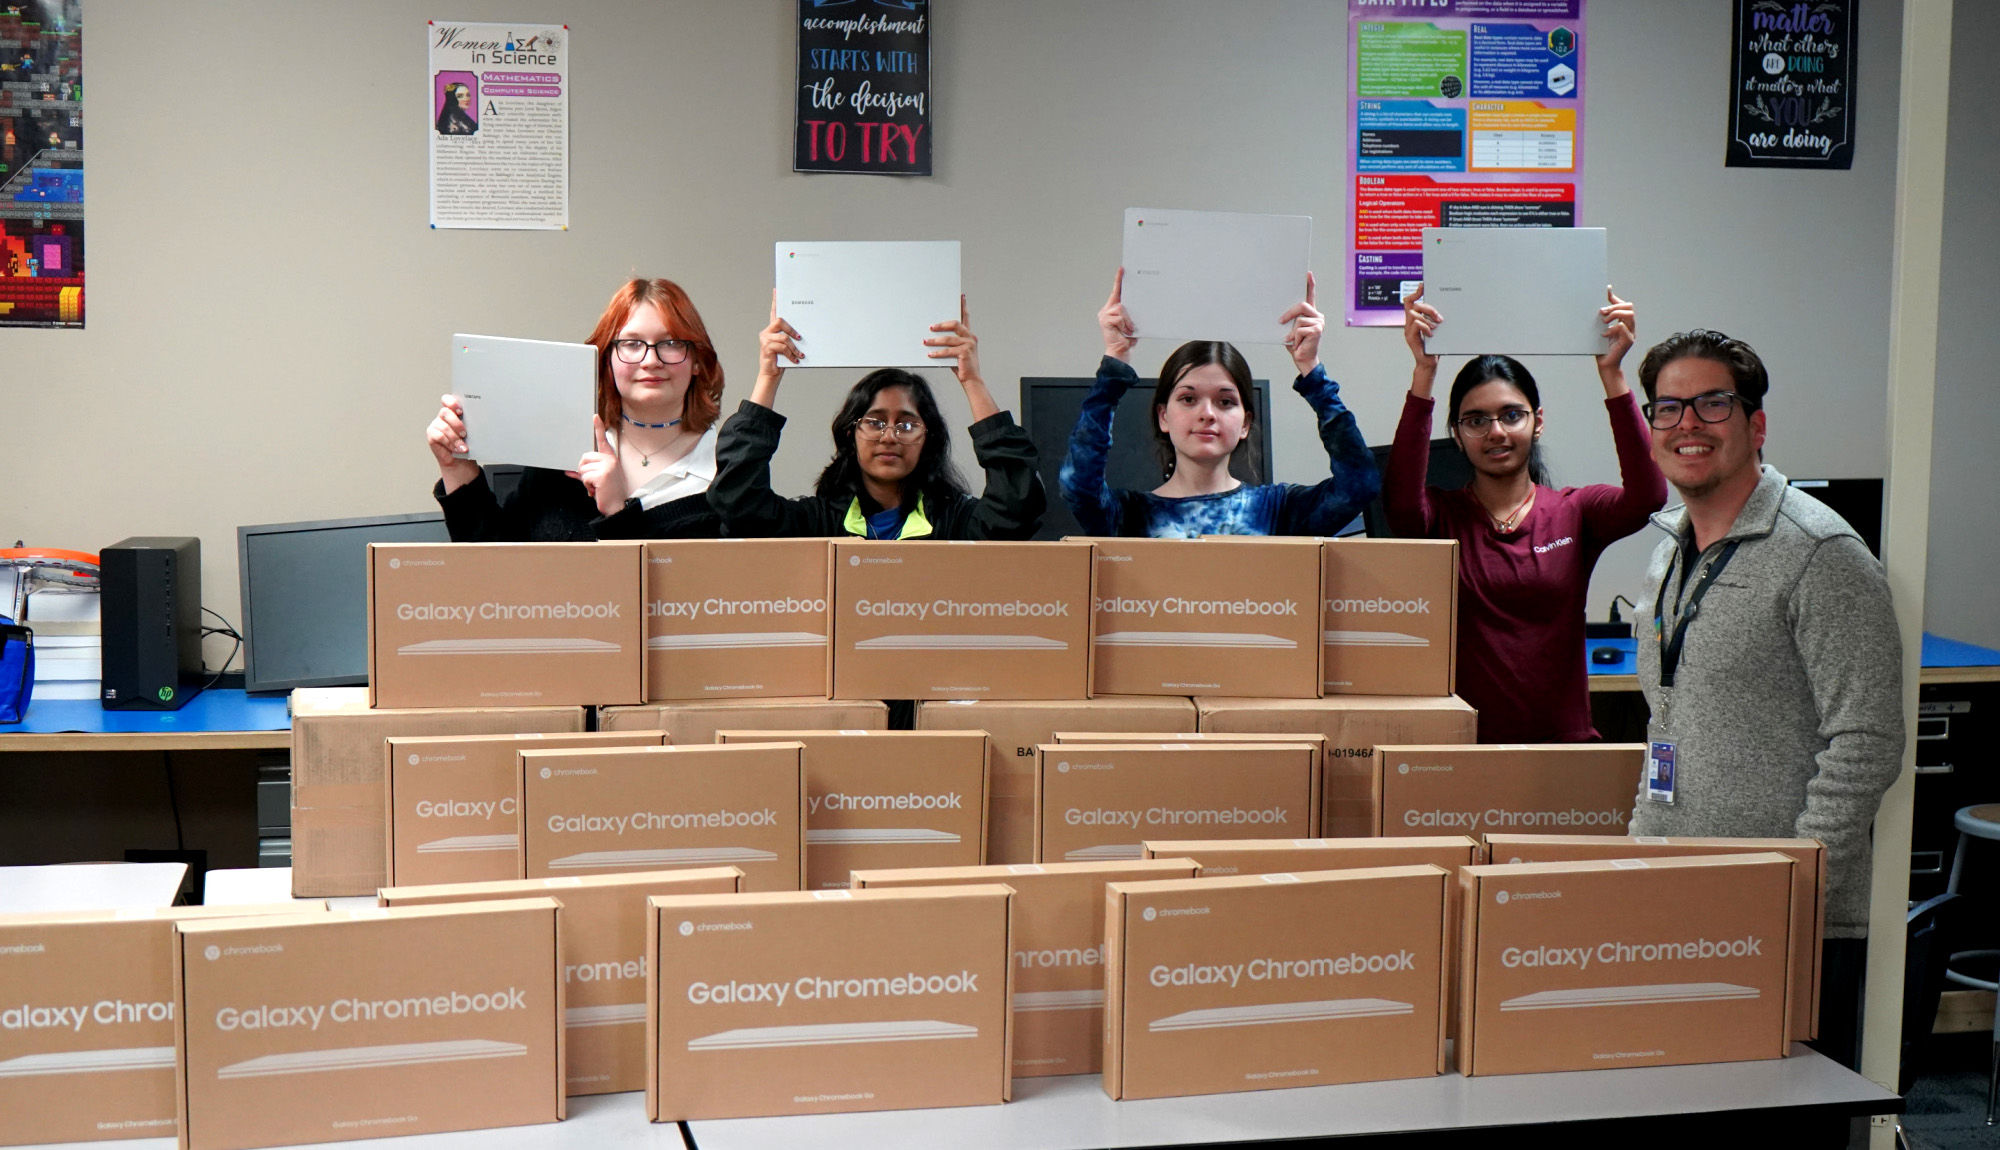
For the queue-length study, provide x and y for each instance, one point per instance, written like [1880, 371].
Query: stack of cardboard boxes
[1202, 815]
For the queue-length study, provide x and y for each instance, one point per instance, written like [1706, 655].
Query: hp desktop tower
[151, 588]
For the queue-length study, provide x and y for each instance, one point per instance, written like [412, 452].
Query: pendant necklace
[646, 457]
[1513, 519]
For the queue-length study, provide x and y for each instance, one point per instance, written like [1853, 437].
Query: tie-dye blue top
[1268, 509]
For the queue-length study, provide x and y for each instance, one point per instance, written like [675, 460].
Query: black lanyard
[1670, 649]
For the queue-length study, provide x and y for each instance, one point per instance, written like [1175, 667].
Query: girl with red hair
[659, 390]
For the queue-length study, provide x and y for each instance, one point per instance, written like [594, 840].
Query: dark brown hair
[1187, 357]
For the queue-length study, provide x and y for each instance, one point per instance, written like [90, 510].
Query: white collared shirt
[691, 474]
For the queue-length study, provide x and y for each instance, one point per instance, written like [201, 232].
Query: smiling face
[1204, 414]
[1696, 457]
[885, 460]
[1498, 450]
[652, 391]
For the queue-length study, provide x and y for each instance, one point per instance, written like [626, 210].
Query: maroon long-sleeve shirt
[1521, 597]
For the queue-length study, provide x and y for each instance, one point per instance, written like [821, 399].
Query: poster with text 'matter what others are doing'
[1460, 113]
[497, 116]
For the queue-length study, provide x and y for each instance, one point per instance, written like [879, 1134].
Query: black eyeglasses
[902, 431]
[670, 351]
[1709, 407]
[1510, 418]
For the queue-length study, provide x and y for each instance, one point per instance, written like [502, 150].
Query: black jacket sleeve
[741, 493]
[689, 517]
[518, 505]
[1013, 503]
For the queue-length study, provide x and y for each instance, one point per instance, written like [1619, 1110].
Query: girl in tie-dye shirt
[1202, 420]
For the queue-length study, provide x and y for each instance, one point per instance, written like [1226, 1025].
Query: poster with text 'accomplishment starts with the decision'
[1460, 113]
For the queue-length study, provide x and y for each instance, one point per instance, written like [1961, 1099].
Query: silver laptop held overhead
[527, 401]
[1516, 291]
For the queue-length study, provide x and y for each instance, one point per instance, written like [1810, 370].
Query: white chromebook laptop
[527, 401]
[867, 304]
[1516, 291]
[1214, 275]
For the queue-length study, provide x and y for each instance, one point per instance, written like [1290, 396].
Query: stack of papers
[69, 657]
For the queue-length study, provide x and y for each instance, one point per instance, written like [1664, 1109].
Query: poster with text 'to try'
[1460, 113]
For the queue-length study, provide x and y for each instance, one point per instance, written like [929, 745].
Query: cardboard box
[603, 959]
[1317, 744]
[454, 805]
[1269, 981]
[737, 618]
[1097, 802]
[339, 747]
[1391, 616]
[1624, 962]
[87, 1021]
[957, 620]
[1017, 727]
[887, 799]
[485, 624]
[1173, 617]
[366, 1023]
[826, 1001]
[1808, 891]
[1352, 726]
[1572, 788]
[1221, 858]
[686, 724]
[659, 808]
[1058, 950]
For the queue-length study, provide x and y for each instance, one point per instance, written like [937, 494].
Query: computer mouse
[1606, 655]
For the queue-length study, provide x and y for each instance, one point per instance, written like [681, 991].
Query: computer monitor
[305, 597]
[1049, 407]
[1859, 501]
[1448, 470]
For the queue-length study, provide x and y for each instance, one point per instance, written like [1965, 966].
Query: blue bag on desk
[17, 669]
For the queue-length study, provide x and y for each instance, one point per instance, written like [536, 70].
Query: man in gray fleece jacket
[1781, 707]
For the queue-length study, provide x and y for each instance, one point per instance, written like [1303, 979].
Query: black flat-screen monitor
[1049, 407]
[305, 597]
[1448, 470]
[1859, 501]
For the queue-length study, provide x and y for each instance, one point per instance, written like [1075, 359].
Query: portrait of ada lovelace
[457, 103]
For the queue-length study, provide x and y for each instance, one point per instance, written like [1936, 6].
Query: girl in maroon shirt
[1525, 548]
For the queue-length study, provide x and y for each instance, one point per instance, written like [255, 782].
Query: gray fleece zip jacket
[1787, 710]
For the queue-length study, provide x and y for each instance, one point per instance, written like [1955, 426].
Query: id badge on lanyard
[1660, 763]
[1660, 772]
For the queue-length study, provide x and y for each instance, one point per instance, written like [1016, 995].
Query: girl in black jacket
[659, 391]
[891, 476]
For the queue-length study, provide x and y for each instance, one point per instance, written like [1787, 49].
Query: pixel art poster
[41, 163]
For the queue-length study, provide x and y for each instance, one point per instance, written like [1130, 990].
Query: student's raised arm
[1093, 503]
[1406, 499]
[778, 341]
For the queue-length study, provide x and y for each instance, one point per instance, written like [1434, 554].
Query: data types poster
[1460, 113]
[497, 115]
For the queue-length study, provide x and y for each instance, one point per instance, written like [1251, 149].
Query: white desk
[90, 886]
[1073, 1113]
[252, 886]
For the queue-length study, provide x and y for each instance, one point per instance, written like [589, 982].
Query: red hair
[703, 402]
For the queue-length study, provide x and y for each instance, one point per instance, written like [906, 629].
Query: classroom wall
[269, 312]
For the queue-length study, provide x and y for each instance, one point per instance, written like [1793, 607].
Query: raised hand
[1115, 325]
[957, 341]
[600, 472]
[1621, 327]
[777, 342]
[446, 436]
[1307, 326]
[1419, 320]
